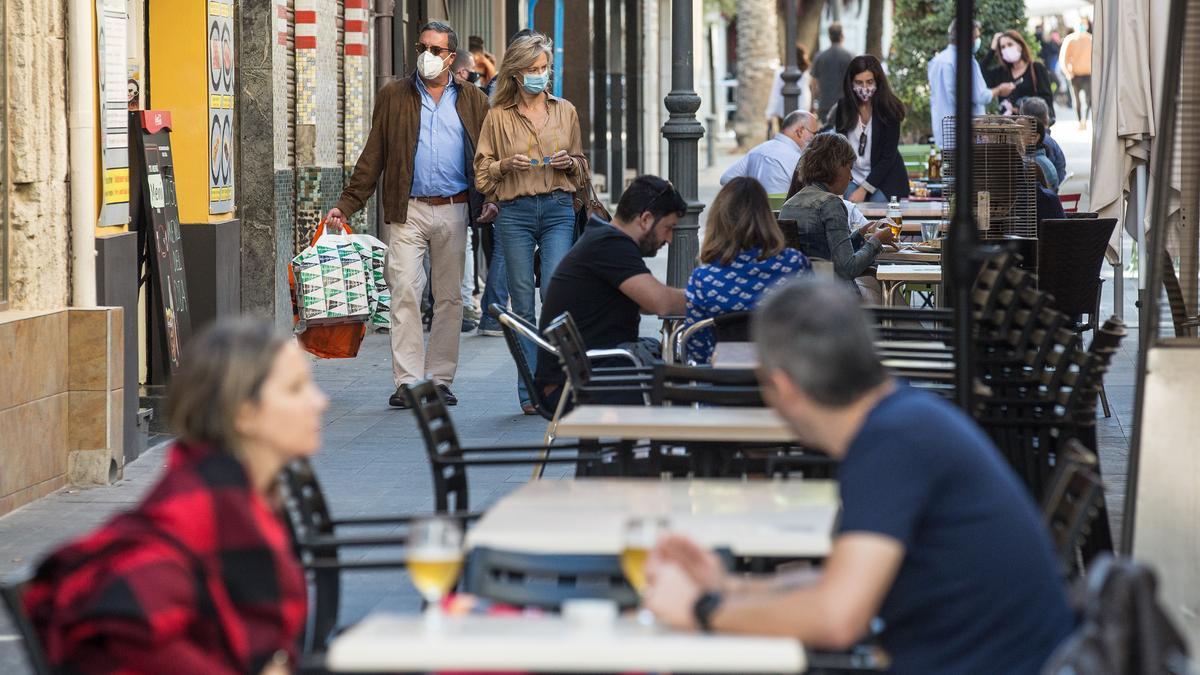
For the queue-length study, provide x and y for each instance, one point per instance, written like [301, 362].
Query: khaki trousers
[442, 231]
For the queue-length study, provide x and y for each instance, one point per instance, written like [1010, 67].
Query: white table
[395, 643]
[676, 423]
[750, 518]
[908, 256]
[892, 277]
[926, 210]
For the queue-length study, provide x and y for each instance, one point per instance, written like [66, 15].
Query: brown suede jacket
[392, 146]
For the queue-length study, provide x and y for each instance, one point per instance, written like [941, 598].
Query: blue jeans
[496, 289]
[547, 222]
[876, 196]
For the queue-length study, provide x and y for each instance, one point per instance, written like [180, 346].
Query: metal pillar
[616, 100]
[791, 72]
[683, 132]
[600, 88]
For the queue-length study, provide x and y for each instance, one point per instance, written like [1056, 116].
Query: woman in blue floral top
[743, 257]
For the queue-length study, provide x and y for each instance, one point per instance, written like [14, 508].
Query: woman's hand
[562, 161]
[515, 163]
[859, 195]
[883, 234]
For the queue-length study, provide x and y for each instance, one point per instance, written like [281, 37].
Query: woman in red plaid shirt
[200, 577]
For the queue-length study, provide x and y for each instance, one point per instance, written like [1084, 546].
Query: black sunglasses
[667, 188]
[862, 143]
[435, 50]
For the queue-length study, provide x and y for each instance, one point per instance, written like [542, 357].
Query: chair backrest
[1179, 312]
[1072, 502]
[545, 581]
[1070, 202]
[307, 515]
[674, 384]
[732, 327]
[516, 329]
[1070, 255]
[12, 594]
[681, 337]
[1082, 214]
[564, 335]
[450, 493]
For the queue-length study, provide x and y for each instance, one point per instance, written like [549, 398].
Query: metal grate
[1003, 174]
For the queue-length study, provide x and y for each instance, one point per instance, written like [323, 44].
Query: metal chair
[588, 384]
[697, 385]
[1185, 323]
[448, 460]
[1073, 503]
[730, 327]
[12, 594]
[545, 581]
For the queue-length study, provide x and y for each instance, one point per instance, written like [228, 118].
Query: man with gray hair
[942, 69]
[773, 162]
[937, 536]
[423, 135]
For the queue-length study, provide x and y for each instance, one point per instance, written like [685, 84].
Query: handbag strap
[321, 228]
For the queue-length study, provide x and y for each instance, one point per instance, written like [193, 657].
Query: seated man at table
[937, 536]
[603, 280]
[773, 162]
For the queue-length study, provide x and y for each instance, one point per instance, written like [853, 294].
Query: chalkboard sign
[157, 221]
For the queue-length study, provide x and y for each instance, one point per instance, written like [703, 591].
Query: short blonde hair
[521, 54]
[740, 219]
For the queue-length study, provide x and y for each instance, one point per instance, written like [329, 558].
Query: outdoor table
[753, 519]
[919, 210]
[891, 277]
[908, 256]
[397, 643]
[903, 361]
[676, 423]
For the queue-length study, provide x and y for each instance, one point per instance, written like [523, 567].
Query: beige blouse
[507, 132]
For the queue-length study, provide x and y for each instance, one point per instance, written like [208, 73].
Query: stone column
[683, 132]
[791, 73]
[265, 182]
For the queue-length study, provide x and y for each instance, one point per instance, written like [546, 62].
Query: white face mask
[430, 66]
[1011, 54]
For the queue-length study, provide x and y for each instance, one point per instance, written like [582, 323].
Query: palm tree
[875, 28]
[757, 45]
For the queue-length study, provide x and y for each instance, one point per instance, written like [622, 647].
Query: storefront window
[3, 157]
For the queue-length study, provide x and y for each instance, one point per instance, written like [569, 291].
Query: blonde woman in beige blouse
[530, 161]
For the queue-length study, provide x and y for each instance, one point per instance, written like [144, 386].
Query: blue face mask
[976, 44]
[535, 84]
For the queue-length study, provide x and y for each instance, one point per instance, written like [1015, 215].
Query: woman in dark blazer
[869, 116]
[1029, 77]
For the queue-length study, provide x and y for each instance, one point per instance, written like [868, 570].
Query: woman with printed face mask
[1028, 77]
[530, 160]
[869, 116]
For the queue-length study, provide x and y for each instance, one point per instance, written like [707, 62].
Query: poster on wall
[114, 96]
[220, 106]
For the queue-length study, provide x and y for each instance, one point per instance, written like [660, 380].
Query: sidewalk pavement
[374, 459]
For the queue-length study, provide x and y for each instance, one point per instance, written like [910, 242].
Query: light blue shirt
[941, 90]
[440, 166]
[771, 163]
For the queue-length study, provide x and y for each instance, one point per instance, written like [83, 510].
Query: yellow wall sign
[116, 186]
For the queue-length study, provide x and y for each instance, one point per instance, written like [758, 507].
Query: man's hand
[1004, 89]
[516, 162]
[883, 233]
[701, 564]
[335, 219]
[562, 161]
[859, 195]
[488, 213]
[670, 594]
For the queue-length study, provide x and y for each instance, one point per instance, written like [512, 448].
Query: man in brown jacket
[423, 136]
[1076, 56]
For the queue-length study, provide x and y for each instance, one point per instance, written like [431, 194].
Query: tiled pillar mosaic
[357, 74]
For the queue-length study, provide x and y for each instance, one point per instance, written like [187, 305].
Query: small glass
[434, 559]
[638, 539]
[929, 230]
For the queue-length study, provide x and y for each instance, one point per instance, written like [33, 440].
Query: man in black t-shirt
[603, 281]
[937, 536]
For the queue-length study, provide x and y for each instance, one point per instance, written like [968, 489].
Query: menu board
[114, 102]
[158, 226]
[220, 106]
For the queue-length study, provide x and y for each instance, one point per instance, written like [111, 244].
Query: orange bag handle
[321, 229]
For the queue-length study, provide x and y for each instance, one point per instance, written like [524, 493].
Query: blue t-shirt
[979, 589]
[714, 289]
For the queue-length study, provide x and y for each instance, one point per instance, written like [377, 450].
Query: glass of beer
[435, 559]
[639, 538]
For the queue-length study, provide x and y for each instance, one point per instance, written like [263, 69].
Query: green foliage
[920, 33]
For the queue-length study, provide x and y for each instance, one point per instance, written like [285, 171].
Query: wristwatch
[703, 610]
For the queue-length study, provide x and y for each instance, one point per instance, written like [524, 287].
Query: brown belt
[460, 198]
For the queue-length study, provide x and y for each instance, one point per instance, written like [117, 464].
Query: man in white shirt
[773, 162]
[942, 69]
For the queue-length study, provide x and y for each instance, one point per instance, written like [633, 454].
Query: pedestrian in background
[829, 68]
[869, 116]
[1077, 63]
[773, 162]
[200, 576]
[485, 63]
[423, 134]
[467, 74]
[775, 111]
[1036, 108]
[1028, 77]
[942, 71]
[530, 161]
